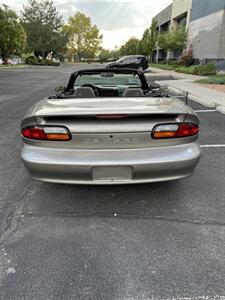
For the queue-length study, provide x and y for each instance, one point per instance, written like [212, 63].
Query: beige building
[181, 12]
[205, 22]
[178, 13]
[207, 31]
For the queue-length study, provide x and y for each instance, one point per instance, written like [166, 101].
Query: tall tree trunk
[43, 55]
[79, 55]
[4, 59]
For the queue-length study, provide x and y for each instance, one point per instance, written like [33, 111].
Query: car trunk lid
[92, 106]
[110, 123]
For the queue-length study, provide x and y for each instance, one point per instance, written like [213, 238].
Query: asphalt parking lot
[152, 241]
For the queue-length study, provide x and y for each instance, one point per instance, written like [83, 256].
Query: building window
[165, 27]
[182, 20]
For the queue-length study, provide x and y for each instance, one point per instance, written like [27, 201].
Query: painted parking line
[205, 110]
[187, 298]
[213, 146]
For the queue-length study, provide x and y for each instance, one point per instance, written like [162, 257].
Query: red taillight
[187, 129]
[46, 133]
[34, 133]
[166, 131]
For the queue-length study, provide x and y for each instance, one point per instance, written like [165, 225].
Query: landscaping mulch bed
[215, 87]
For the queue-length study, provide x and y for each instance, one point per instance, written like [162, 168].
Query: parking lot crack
[200, 222]
[13, 216]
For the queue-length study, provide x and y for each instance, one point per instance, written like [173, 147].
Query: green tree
[12, 35]
[44, 28]
[90, 54]
[131, 47]
[105, 54]
[149, 40]
[173, 40]
[83, 36]
[114, 54]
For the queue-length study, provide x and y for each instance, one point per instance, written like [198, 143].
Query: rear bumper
[75, 166]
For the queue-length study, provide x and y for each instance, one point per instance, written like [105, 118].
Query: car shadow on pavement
[142, 200]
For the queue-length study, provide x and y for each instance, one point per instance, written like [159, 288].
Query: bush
[48, 62]
[163, 66]
[31, 60]
[214, 79]
[186, 58]
[201, 70]
[186, 70]
[208, 69]
[162, 62]
[173, 63]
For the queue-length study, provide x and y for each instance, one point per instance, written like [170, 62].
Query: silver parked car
[109, 127]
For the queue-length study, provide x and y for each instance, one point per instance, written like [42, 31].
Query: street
[150, 241]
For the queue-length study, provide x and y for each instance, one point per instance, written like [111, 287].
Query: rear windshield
[106, 80]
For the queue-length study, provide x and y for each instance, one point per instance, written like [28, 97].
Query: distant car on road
[108, 126]
[138, 62]
[57, 60]
[15, 61]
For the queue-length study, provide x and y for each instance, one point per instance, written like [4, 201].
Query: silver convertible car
[108, 126]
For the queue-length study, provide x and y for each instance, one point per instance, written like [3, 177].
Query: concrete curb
[209, 100]
[173, 90]
[15, 68]
[221, 109]
[176, 91]
[179, 92]
[200, 101]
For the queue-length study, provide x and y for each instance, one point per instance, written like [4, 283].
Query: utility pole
[5, 6]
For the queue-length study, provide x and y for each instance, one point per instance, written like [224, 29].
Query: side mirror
[60, 89]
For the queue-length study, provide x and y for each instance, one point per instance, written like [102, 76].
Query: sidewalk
[184, 83]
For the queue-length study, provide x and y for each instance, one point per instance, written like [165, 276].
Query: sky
[118, 20]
